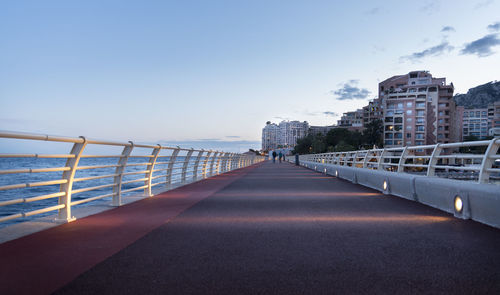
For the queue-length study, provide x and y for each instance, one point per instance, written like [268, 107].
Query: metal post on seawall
[122, 163]
[196, 165]
[205, 165]
[488, 160]
[151, 168]
[212, 163]
[170, 167]
[185, 165]
[64, 213]
[431, 169]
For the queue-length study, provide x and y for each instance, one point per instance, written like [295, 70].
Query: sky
[211, 73]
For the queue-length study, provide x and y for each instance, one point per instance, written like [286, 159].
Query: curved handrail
[178, 162]
[421, 158]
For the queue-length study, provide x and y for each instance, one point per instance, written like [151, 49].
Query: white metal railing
[155, 165]
[442, 160]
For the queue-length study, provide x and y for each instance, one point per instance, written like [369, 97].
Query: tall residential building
[417, 110]
[283, 135]
[290, 131]
[270, 136]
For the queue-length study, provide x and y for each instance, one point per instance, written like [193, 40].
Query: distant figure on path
[274, 156]
[280, 156]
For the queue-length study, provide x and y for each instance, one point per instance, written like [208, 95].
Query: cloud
[350, 90]
[483, 4]
[448, 29]
[432, 51]
[482, 47]
[430, 7]
[330, 114]
[374, 10]
[494, 27]
[325, 113]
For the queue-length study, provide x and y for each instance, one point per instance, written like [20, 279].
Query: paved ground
[282, 229]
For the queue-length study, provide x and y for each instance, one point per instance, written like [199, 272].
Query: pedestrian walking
[274, 156]
[280, 156]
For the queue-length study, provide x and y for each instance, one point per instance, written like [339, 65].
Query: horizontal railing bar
[95, 167]
[43, 210]
[32, 199]
[457, 167]
[42, 156]
[460, 156]
[10, 217]
[37, 170]
[158, 176]
[415, 165]
[158, 183]
[134, 189]
[33, 184]
[102, 156]
[135, 180]
[138, 164]
[136, 172]
[87, 189]
[94, 177]
[91, 199]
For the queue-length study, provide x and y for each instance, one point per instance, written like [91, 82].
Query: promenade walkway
[266, 229]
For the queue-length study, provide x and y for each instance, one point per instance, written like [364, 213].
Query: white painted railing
[159, 166]
[442, 160]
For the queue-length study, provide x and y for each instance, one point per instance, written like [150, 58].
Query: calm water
[20, 178]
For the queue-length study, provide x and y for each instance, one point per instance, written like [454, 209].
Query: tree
[373, 133]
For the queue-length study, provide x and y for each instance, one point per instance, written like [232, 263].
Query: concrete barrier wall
[481, 202]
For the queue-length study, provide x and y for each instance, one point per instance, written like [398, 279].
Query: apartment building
[417, 110]
[479, 122]
[283, 135]
[270, 136]
[290, 131]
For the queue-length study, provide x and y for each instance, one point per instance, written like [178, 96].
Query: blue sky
[195, 72]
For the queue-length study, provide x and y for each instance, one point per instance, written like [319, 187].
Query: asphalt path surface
[283, 229]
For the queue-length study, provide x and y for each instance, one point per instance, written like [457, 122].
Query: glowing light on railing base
[336, 173]
[385, 186]
[458, 204]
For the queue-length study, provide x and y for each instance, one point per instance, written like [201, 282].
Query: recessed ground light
[336, 173]
[325, 170]
[459, 205]
[386, 185]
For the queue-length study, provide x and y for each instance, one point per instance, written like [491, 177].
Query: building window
[409, 112]
[409, 104]
[409, 119]
[408, 127]
[408, 135]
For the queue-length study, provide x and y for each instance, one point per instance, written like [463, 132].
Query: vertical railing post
[151, 168]
[205, 164]
[196, 165]
[122, 164]
[488, 160]
[381, 159]
[213, 162]
[402, 160]
[64, 214]
[431, 167]
[367, 158]
[185, 165]
[170, 167]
